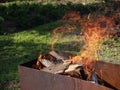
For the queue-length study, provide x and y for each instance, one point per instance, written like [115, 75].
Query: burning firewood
[72, 74]
[48, 60]
[84, 66]
[57, 56]
[47, 63]
[58, 68]
[72, 67]
[38, 65]
[76, 70]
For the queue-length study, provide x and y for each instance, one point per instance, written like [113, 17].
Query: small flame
[61, 30]
[72, 16]
[38, 60]
[53, 44]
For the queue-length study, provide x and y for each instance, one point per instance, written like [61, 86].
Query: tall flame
[70, 16]
[95, 31]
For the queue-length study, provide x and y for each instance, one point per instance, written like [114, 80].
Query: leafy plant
[30, 14]
[1, 22]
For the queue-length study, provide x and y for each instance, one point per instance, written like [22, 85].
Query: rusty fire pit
[45, 74]
[33, 79]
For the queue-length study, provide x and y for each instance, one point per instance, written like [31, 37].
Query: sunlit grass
[110, 51]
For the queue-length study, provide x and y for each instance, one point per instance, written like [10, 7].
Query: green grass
[110, 51]
[24, 46]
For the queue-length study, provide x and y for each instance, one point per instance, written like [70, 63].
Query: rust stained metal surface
[33, 79]
[109, 72]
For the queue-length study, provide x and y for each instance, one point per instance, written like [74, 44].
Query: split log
[109, 72]
[76, 70]
[56, 55]
[58, 68]
[47, 63]
[73, 74]
[72, 67]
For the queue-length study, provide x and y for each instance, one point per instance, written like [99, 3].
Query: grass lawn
[24, 46]
[21, 47]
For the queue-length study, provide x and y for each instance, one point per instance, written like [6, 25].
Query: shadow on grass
[13, 55]
[24, 15]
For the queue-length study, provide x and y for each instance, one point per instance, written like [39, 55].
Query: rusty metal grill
[33, 79]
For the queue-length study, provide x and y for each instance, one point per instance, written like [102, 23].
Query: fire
[95, 31]
[72, 16]
[61, 30]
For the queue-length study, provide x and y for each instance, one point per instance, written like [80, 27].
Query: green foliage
[108, 7]
[3, 1]
[25, 15]
[30, 14]
[1, 22]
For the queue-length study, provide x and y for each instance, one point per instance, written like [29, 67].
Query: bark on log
[109, 72]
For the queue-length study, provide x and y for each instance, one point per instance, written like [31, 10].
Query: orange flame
[62, 30]
[95, 31]
[72, 16]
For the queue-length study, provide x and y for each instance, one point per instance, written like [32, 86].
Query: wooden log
[47, 63]
[72, 67]
[56, 55]
[109, 72]
[73, 74]
[58, 68]
[76, 70]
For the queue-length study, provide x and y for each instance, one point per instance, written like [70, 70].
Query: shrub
[1, 22]
[30, 14]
